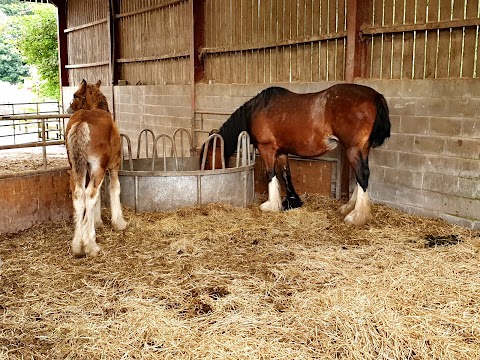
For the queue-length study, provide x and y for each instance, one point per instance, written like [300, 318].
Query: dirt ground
[218, 282]
[29, 159]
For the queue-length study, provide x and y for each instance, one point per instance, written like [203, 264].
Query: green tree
[12, 68]
[36, 39]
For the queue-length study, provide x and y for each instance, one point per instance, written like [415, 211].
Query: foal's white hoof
[358, 218]
[271, 206]
[120, 225]
[92, 250]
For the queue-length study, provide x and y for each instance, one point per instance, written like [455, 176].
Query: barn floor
[225, 283]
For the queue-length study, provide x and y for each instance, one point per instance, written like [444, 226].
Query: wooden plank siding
[251, 41]
[271, 41]
[421, 39]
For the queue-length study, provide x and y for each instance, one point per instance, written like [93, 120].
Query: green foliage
[12, 68]
[35, 36]
[14, 7]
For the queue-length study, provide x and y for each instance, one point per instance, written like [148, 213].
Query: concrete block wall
[431, 163]
[161, 109]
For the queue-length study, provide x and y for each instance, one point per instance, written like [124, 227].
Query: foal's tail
[381, 126]
[78, 140]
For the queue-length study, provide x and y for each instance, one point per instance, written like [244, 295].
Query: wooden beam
[82, 66]
[441, 25]
[153, 58]
[150, 8]
[84, 26]
[310, 39]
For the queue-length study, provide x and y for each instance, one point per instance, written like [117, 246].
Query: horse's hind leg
[118, 221]
[274, 202]
[92, 195]
[78, 195]
[362, 210]
[98, 212]
[292, 199]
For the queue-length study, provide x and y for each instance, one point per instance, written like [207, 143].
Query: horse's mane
[241, 119]
[99, 100]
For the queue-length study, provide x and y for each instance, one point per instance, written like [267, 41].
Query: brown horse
[281, 122]
[93, 146]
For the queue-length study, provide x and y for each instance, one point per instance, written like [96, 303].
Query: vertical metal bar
[44, 145]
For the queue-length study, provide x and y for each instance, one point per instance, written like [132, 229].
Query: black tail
[241, 119]
[381, 126]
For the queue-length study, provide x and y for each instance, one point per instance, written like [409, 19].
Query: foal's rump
[93, 133]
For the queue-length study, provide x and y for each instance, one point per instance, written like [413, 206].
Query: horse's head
[212, 152]
[88, 96]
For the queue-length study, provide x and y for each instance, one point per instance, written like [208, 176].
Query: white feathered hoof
[346, 208]
[92, 250]
[120, 225]
[271, 206]
[358, 218]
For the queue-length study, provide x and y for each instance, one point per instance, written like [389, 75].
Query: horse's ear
[83, 86]
[98, 83]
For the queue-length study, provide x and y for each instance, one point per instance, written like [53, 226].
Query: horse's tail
[78, 140]
[381, 126]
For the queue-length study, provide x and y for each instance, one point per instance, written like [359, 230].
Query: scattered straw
[219, 282]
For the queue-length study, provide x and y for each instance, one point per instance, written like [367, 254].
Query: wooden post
[355, 64]
[62, 46]
[197, 10]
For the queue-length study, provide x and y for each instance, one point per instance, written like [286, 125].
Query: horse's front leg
[292, 200]
[274, 202]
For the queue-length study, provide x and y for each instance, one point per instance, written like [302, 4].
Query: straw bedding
[218, 282]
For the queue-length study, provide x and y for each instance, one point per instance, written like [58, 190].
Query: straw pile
[219, 282]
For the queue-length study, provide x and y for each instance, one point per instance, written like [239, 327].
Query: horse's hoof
[271, 206]
[346, 209]
[78, 254]
[292, 203]
[92, 250]
[358, 218]
[120, 225]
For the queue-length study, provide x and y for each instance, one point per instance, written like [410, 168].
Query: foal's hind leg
[118, 221]
[362, 210]
[92, 195]
[292, 199]
[78, 195]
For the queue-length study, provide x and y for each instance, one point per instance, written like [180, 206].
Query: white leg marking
[118, 221]
[79, 209]
[346, 208]
[98, 212]
[91, 197]
[274, 202]
[362, 213]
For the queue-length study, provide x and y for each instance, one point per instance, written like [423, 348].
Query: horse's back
[305, 124]
[105, 141]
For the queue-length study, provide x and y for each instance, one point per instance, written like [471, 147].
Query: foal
[93, 146]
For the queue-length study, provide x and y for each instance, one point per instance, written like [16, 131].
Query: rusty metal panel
[308, 176]
[28, 206]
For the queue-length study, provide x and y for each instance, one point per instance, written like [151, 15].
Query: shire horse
[93, 146]
[281, 122]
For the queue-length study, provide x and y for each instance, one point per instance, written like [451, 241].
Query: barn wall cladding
[165, 61]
